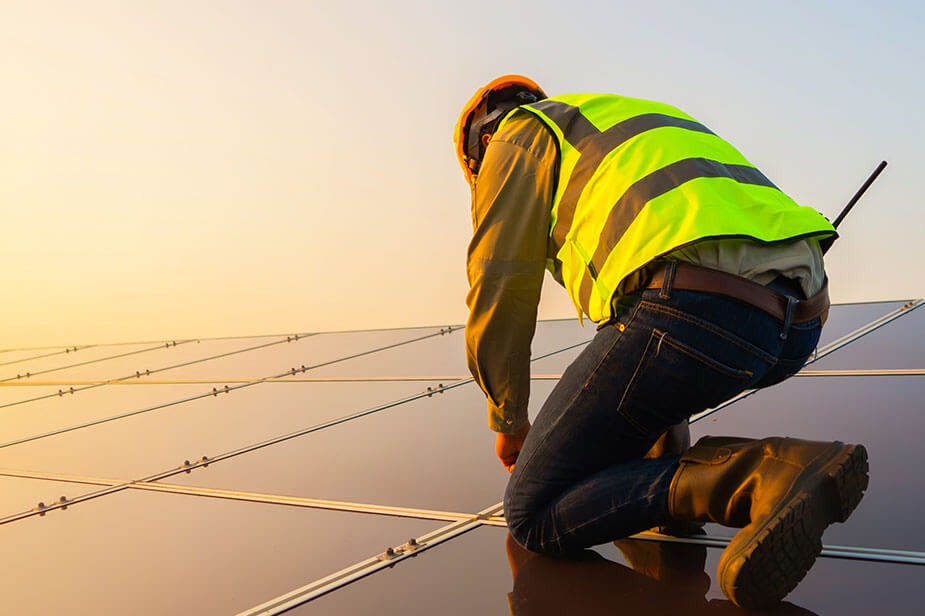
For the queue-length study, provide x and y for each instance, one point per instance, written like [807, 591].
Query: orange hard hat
[487, 106]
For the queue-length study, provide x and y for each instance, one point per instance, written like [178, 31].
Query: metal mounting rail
[801, 373]
[64, 351]
[888, 372]
[28, 375]
[70, 348]
[389, 558]
[205, 461]
[393, 555]
[830, 551]
[830, 348]
[901, 557]
[415, 379]
[216, 391]
[257, 497]
[873, 325]
[134, 378]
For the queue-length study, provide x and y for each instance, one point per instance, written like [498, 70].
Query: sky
[186, 169]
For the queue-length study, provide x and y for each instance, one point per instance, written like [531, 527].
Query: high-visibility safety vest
[638, 179]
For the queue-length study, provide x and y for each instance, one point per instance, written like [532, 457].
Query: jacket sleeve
[505, 265]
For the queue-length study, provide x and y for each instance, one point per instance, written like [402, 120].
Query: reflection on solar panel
[258, 475]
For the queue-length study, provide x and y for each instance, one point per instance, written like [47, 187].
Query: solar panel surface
[148, 409]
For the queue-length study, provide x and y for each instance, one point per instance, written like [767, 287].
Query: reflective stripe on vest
[638, 179]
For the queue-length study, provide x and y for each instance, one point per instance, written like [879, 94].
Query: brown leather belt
[690, 277]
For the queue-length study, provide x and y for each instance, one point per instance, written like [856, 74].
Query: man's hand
[508, 446]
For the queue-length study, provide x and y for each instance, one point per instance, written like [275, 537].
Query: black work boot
[782, 492]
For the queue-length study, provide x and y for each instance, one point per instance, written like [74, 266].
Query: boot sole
[776, 556]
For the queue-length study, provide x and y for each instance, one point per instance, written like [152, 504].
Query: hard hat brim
[459, 136]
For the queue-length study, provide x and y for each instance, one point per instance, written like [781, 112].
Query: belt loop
[788, 316]
[667, 281]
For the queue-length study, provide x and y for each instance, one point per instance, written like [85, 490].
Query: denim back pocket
[672, 381]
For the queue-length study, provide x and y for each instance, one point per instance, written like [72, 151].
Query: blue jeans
[581, 479]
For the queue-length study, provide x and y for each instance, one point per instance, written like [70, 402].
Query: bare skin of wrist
[508, 446]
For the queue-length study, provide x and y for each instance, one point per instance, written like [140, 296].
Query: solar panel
[137, 552]
[264, 465]
[473, 575]
[896, 346]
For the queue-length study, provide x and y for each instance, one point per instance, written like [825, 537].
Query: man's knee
[529, 529]
[519, 519]
[529, 536]
[514, 516]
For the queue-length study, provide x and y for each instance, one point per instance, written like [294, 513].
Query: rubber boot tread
[783, 550]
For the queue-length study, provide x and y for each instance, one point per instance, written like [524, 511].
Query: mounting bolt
[186, 464]
[389, 554]
[214, 392]
[409, 547]
[40, 508]
[204, 460]
[61, 501]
